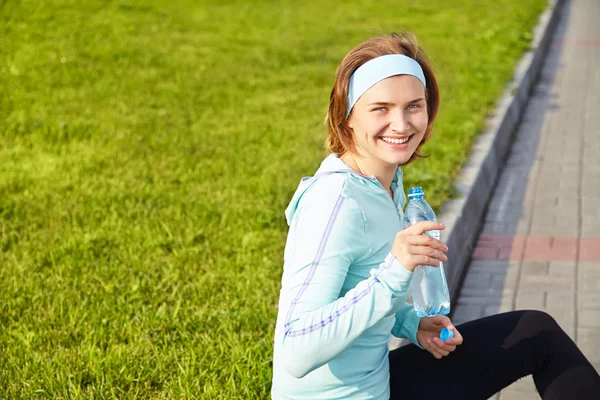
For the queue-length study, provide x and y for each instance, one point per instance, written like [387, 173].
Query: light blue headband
[378, 69]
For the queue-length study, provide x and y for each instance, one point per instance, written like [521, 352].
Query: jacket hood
[331, 165]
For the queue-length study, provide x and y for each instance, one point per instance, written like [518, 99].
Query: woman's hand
[428, 336]
[412, 248]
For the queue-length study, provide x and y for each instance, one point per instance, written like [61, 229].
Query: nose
[399, 122]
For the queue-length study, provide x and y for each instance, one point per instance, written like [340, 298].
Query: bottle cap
[446, 334]
[416, 191]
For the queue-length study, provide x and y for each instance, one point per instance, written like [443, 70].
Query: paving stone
[589, 300]
[535, 268]
[589, 251]
[497, 227]
[568, 183]
[562, 268]
[589, 269]
[523, 225]
[589, 317]
[514, 251]
[590, 227]
[537, 247]
[590, 206]
[546, 230]
[485, 253]
[484, 301]
[546, 283]
[477, 280]
[564, 248]
[508, 394]
[587, 341]
[487, 292]
[566, 221]
[498, 308]
[495, 266]
[589, 284]
[530, 301]
[561, 300]
[543, 206]
[509, 279]
[525, 385]
[466, 313]
[591, 191]
[565, 318]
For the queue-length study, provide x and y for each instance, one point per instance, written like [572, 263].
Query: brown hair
[339, 136]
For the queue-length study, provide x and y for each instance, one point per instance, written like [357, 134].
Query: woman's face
[389, 120]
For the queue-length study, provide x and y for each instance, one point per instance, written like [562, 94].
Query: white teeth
[395, 141]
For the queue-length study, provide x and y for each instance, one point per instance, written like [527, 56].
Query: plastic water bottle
[429, 285]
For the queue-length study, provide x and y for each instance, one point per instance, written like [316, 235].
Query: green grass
[147, 152]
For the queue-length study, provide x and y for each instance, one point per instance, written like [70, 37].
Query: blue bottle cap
[415, 192]
[446, 334]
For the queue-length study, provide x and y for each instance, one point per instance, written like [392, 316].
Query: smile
[396, 140]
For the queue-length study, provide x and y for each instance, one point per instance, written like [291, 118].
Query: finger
[426, 240]
[421, 227]
[436, 322]
[425, 260]
[428, 251]
[435, 349]
[444, 346]
[441, 347]
[434, 353]
[457, 339]
[444, 321]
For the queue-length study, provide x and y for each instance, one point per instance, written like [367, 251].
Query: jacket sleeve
[326, 238]
[407, 324]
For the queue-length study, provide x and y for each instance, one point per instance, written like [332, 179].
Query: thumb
[443, 321]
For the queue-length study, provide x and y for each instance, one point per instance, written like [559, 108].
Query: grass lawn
[147, 152]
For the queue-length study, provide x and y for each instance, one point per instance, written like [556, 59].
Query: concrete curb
[463, 217]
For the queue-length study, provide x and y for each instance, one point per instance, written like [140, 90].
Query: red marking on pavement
[537, 248]
[565, 248]
[577, 42]
[589, 249]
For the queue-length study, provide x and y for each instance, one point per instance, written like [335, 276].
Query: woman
[348, 263]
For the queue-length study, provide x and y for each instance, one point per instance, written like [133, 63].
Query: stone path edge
[477, 179]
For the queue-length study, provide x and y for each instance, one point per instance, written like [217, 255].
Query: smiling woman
[361, 97]
[390, 120]
[349, 265]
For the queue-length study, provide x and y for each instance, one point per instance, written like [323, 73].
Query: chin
[398, 160]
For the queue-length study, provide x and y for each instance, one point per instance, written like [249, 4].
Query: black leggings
[497, 351]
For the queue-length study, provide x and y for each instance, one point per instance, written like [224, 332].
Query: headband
[378, 69]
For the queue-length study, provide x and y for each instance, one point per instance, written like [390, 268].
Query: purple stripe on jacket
[337, 313]
[317, 260]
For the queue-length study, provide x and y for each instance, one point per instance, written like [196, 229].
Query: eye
[379, 109]
[414, 106]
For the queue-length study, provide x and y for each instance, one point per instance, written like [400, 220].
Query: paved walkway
[540, 245]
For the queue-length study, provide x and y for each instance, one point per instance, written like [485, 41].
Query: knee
[540, 319]
[536, 330]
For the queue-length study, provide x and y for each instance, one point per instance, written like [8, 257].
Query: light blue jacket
[343, 294]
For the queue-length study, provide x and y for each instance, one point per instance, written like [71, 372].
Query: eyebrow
[386, 103]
